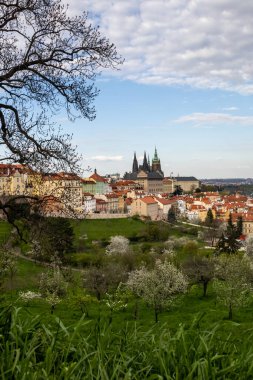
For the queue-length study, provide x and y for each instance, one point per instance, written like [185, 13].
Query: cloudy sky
[186, 87]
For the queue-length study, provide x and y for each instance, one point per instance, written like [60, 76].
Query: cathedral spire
[145, 165]
[135, 164]
[155, 155]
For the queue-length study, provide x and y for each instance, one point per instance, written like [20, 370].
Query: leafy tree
[52, 236]
[209, 218]
[8, 266]
[81, 300]
[116, 301]
[228, 242]
[155, 231]
[100, 280]
[249, 247]
[199, 270]
[158, 287]
[239, 226]
[233, 282]
[172, 215]
[213, 232]
[178, 190]
[221, 244]
[230, 225]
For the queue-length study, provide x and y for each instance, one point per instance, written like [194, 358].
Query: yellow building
[60, 194]
[187, 183]
[146, 206]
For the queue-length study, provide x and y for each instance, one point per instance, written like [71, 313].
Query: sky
[185, 87]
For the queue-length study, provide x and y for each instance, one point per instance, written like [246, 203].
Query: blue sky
[185, 87]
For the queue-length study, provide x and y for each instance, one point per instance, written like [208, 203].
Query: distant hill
[227, 181]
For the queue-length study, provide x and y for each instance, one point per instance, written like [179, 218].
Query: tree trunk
[156, 314]
[110, 317]
[230, 313]
[205, 283]
[136, 310]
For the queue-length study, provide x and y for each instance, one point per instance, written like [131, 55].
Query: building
[96, 184]
[148, 176]
[112, 202]
[89, 203]
[187, 183]
[145, 207]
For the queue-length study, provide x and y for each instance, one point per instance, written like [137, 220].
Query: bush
[87, 259]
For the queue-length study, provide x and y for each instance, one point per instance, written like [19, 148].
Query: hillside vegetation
[62, 323]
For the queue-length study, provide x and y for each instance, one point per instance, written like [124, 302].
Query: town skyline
[185, 86]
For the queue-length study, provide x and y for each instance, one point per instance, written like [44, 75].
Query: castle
[149, 176]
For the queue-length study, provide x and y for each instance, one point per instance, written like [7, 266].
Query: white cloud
[107, 158]
[200, 43]
[230, 109]
[216, 118]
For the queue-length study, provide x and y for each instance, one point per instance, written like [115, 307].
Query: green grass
[103, 229]
[183, 311]
[193, 339]
[31, 349]
[5, 230]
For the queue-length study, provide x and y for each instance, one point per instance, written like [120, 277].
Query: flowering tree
[53, 287]
[27, 296]
[249, 247]
[233, 282]
[116, 301]
[7, 266]
[158, 287]
[119, 245]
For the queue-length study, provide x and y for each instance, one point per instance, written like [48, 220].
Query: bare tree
[48, 63]
[199, 270]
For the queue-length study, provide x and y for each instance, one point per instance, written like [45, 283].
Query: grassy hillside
[84, 338]
[5, 229]
[103, 229]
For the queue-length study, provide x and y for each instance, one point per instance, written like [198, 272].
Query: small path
[17, 252]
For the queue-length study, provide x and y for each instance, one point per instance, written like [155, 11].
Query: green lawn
[5, 229]
[184, 311]
[192, 340]
[103, 229]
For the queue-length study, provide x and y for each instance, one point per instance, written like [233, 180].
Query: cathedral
[149, 176]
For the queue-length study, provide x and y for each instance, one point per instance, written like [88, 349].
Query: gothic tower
[135, 164]
[156, 164]
[145, 165]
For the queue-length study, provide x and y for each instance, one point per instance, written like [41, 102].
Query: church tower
[145, 165]
[135, 164]
[156, 164]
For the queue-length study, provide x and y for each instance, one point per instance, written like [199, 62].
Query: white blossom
[158, 287]
[27, 296]
[119, 245]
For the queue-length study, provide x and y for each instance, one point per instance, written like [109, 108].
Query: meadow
[192, 340]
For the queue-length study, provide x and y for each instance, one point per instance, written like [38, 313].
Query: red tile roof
[97, 177]
[148, 200]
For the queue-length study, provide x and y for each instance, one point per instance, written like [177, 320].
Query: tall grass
[30, 349]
